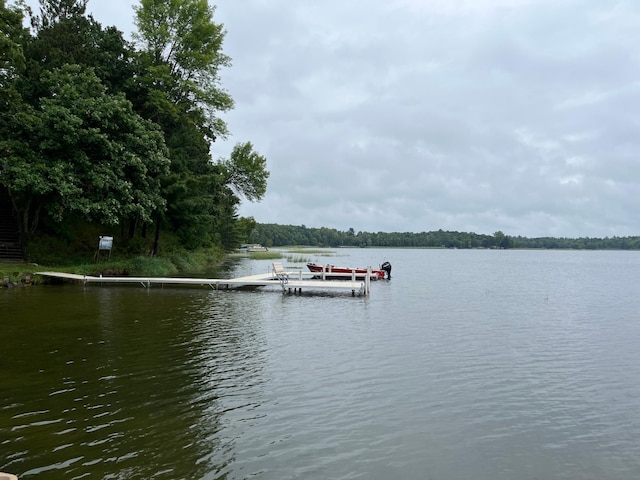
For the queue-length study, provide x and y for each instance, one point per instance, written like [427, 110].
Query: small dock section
[289, 282]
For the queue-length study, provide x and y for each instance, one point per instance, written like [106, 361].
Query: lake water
[468, 364]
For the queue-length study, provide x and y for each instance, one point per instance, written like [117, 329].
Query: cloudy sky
[416, 115]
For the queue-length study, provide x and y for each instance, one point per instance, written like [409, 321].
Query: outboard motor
[386, 266]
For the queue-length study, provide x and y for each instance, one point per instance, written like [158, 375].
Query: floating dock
[289, 281]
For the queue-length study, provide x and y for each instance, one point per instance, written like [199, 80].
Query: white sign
[105, 243]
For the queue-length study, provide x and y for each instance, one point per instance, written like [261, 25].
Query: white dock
[289, 282]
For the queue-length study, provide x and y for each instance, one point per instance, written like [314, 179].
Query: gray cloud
[411, 116]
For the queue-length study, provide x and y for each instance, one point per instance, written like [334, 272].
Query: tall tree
[81, 151]
[53, 11]
[65, 35]
[12, 65]
[181, 91]
[184, 46]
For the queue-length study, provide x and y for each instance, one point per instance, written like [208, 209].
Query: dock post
[367, 282]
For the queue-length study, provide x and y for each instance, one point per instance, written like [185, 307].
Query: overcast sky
[416, 115]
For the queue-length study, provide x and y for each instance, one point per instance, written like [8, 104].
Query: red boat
[346, 273]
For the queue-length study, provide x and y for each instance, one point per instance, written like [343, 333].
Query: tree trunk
[132, 228]
[156, 239]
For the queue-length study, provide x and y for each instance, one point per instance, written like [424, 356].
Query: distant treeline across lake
[274, 235]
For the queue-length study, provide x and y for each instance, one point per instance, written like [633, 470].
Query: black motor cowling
[386, 266]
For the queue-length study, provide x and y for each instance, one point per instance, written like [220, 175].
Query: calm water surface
[466, 365]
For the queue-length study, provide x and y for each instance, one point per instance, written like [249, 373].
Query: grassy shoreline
[17, 273]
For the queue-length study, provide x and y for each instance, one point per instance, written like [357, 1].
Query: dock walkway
[293, 281]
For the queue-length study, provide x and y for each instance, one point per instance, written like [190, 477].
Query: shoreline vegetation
[14, 274]
[294, 244]
[22, 273]
[275, 235]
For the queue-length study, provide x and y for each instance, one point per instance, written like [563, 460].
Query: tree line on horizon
[101, 134]
[274, 235]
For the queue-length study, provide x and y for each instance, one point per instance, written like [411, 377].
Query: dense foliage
[273, 235]
[99, 132]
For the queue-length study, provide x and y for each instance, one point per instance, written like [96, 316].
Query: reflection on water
[468, 364]
[125, 383]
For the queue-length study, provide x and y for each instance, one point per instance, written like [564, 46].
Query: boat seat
[279, 272]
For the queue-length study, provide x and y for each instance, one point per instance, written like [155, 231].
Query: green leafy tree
[12, 66]
[184, 49]
[246, 172]
[11, 36]
[180, 90]
[81, 151]
[53, 11]
[65, 35]
[78, 131]
[246, 226]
